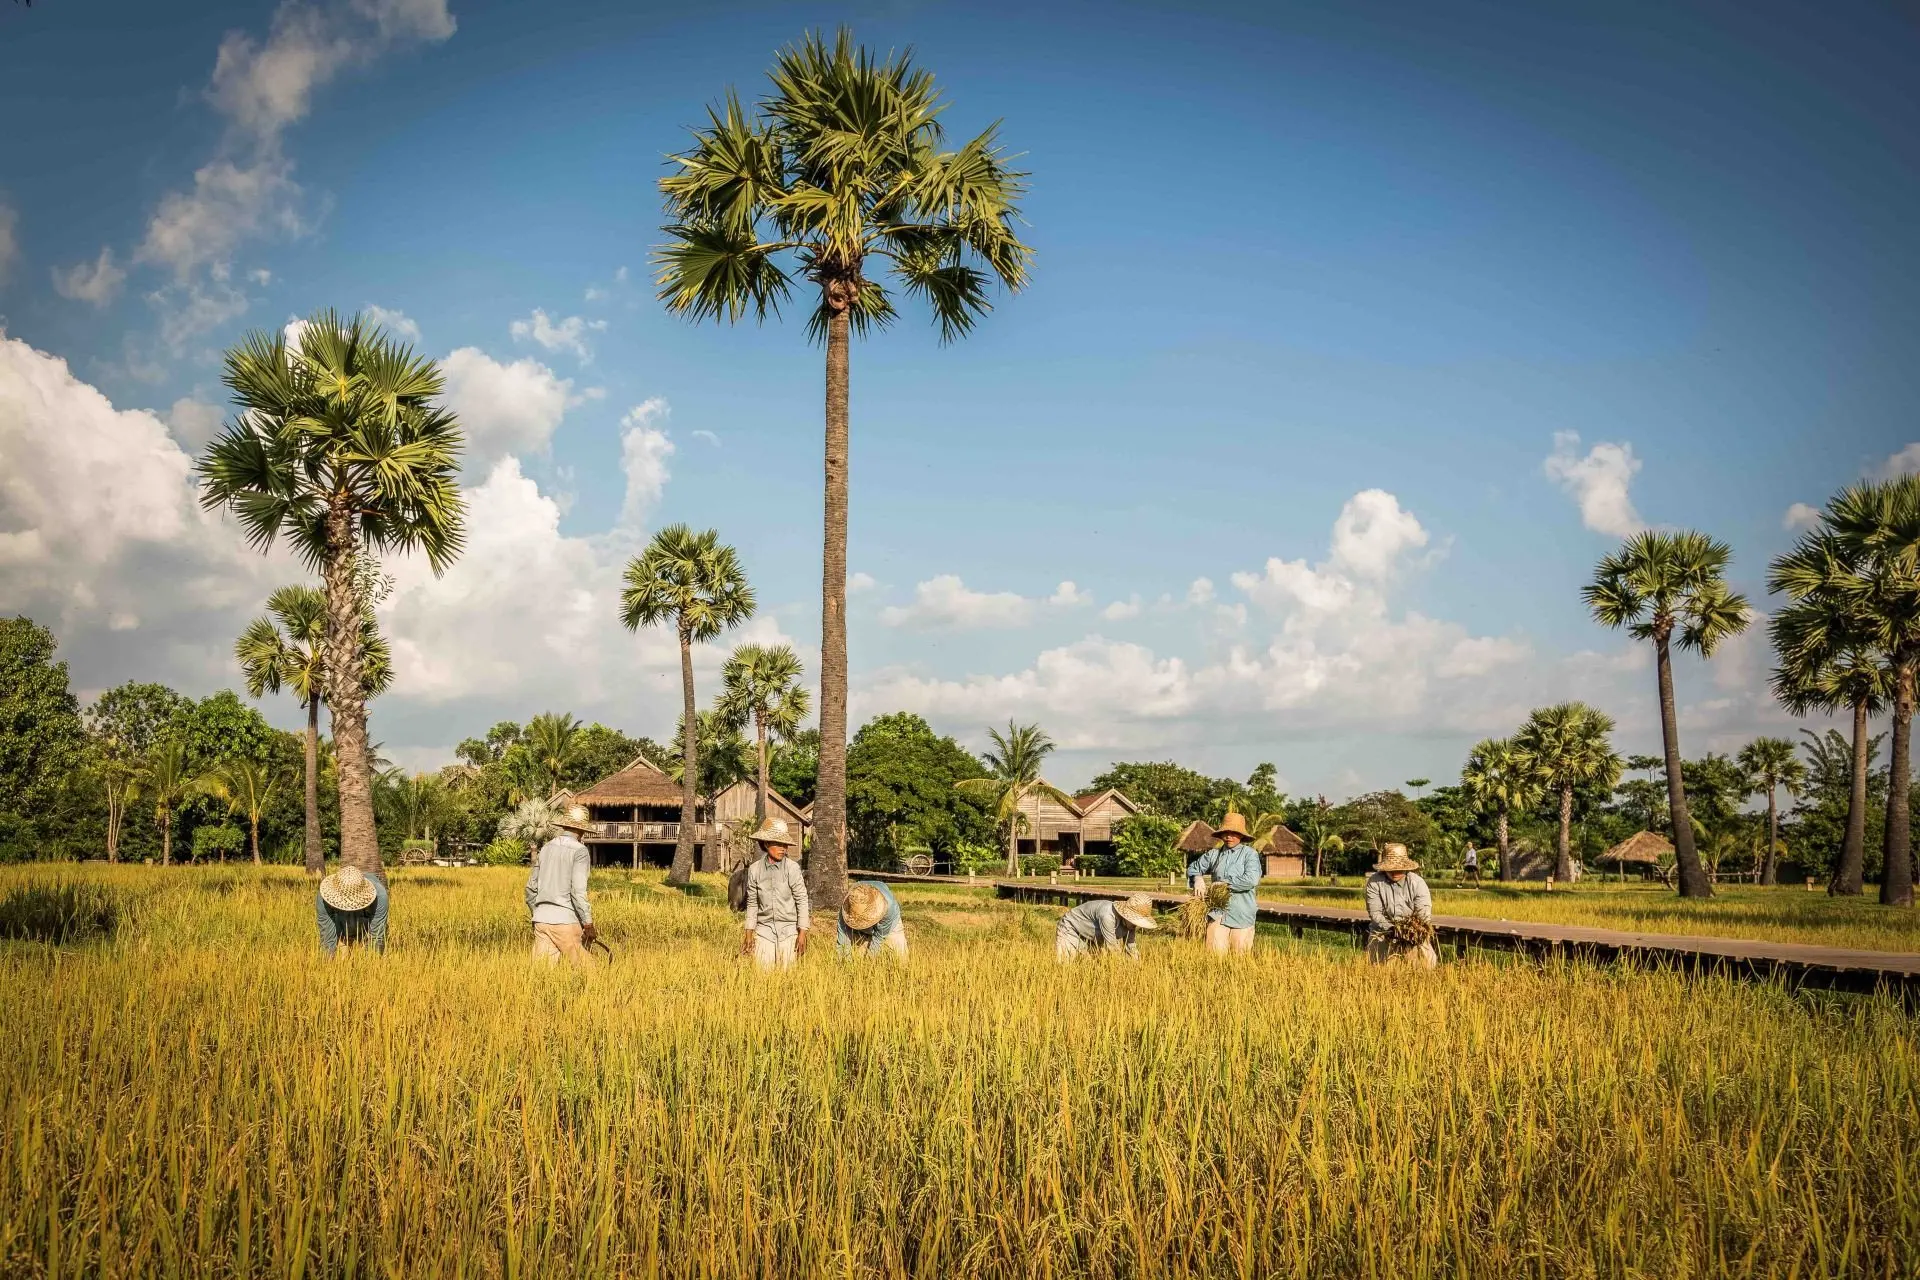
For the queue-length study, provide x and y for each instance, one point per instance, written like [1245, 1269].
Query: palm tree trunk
[254, 820]
[116, 805]
[347, 699]
[1693, 877]
[1013, 845]
[1768, 872]
[1896, 882]
[1850, 876]
[1563, 864]
[682, 871]
[1506, 863]
[316, 853]
[166, 838]
[760, 798]
[827, 867]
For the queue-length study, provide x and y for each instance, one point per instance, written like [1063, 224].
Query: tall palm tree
[1653, 585]
[287, 648]
[1813, 677]
[1501, 776]
[1771, 764]
[168, 777]
[695, 582]
[339, 444]
[1319, 832]
[554, 740]
[1569, 744]
[761, 683]
[247, 787]
[1013, 774]
[841, 168]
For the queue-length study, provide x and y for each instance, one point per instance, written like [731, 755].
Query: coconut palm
[761, 683]
[168, 778]
[1772, 764]
[1501, 776]
[1656, 584]
[285, 649]
[1013, 774]
[1318, 832]
[247, 787]
[1569, 745]
[841, 168]
[695, 582]
[553, 740]
[339, 445]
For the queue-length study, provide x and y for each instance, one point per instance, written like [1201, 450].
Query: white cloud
[504, 408]
[1598, 481]
[594, 293]
[1372, 533]
[194, 422]
[1201, 591]
[293, 330]
[96, 282]
[708, 436]
[260, 276]
[200, 304]
[1068, 596]
[946, 602]
[644, 450]
[860, 582]
[568, 334]
[620, 276]
[397, 323]
[1800, 516]
[229, 203]
[1121, 610]
[1905, 462]
[9, 242]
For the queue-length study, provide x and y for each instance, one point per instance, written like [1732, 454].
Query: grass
[198, 1094]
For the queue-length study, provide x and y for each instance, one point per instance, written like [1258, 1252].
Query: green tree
[1770, 764]
[1148, 844]
[724, 755]
[339, 445]
[761, 684]
[1503, 777]
[600, 751]
[901, 778]
[168, 778]
[247, 787]
[41, 739]
[1570, 744]
[123, 724]
[1164, 787]
[1318, 827]
[1013, 774]
[1821, 824]
[1655, 584]
[695, 582]
[841, 169]
[493, 748]
[554, 740]
[795, 768]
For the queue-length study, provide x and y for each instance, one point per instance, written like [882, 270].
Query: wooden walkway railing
[1796, 964]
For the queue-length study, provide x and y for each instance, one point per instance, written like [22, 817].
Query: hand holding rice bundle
[1411, 931]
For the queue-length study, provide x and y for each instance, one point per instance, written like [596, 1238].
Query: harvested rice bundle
[1217, 896]
[1411, 931]
[1190, 918]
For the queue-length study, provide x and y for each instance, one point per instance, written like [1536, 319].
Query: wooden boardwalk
[1795, 964]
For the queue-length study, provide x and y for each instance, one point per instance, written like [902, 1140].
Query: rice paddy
[189, 1090]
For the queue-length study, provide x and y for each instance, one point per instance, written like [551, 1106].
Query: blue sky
[1385, 321]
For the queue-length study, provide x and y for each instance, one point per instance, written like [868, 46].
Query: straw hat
[864, 908]
[1136, 910]
[1394, 857]
[348, 890]
[1233, 824]
[573, 818]
[774, 832]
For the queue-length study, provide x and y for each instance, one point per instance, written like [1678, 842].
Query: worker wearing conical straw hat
[352, 908]
[557, 892]
[1103, 924]
[870, 921]
[1236, 864]
[777, 908]
[1399, 911]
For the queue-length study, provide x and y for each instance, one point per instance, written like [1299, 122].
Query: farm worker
[777, 909]
[352, 908]
[1101, 924]
[870, 921]
[1397, 895]
[1234, 863]
[1471, 866]
[557, 894]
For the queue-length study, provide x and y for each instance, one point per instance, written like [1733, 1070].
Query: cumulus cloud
[1121, 610]
[96, 282]
[860, 582]
[194, 422]
[504, 408]
[568, 334]
[1372, 533]
[1906, 462]
[1068, 596]
[1799, 517]
[644, 450]
[1201, 591]
[1598, 481]
[945, 602]
[396, 323]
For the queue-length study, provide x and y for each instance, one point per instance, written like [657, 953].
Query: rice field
[190, 1090]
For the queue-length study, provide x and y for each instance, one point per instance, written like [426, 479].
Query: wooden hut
[1284, 855]
[1644, 851]
[636, 815]
[1196, 839]
[732, 819]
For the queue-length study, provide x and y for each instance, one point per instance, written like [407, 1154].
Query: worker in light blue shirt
[352, 908]
[1236, 864]
[870, 921]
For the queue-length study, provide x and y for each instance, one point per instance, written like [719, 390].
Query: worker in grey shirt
[778, 912]
[557, 894]
[1101, 924]
[1396, 892]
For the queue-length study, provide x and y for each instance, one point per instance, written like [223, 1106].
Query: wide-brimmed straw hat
[864, 908]
[348, 890]
[1137, 910]
[1394, 857]
[774, 831]
[1232, 824]
[573, 817]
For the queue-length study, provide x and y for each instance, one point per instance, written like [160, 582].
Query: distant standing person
[870, 921]
[352, 908]
[1235, 864]
[778, 912]
[1470, 868]
[557, 894]
[1397, 897]
[1101, 924]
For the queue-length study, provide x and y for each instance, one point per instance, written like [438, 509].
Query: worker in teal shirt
[1235, 864]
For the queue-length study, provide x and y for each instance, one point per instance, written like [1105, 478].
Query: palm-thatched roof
[1197, 838]
[1281, 840]
[641, 782]
[1644, 847]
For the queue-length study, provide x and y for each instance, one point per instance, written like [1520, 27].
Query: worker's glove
[588, 935]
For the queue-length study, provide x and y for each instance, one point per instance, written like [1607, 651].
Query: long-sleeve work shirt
[557, 885]
[1095, 926]
[888, 923]
[1387, 901]
[777, 904]
[1239, 869]
[368, 925]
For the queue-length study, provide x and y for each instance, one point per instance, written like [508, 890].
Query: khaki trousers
[551, 941]
[1224, 941]
[1386, 951]
[771, 951]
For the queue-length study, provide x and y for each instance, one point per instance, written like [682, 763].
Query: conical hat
[1233, 824]
[1394, 857]
[348, 890]
[574, 818]
[864, 908]
[774, 831]
[1137, 910]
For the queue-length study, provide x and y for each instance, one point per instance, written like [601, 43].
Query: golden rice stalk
[1217, 895]
[1190, 918]
[1411, 931]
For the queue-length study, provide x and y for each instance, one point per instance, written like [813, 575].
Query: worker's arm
[577, 890]
[803, 910]
[1200, 866]
[329, 936]
[753, 910]
[533, 884]
[842, 939]
[377, 927]
[1376, 907]
[1422, 899]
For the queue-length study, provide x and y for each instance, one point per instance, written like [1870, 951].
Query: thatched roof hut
[640, 783]
[1197, 838]
[1281, 840]
[1644, 848]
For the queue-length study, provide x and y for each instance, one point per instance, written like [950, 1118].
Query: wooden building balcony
[643, 832]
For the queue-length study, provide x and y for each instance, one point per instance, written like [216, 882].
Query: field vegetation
[190, 1090]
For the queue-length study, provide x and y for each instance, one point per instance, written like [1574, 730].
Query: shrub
[504, 852]
[220, 842]
[1039, 864]
[1147, 845]
[976, 857]
[59, 913]
[1094, 864]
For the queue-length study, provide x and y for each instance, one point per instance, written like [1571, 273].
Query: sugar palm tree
[168, 778]
[553, 739]
[1811, 677]
[1570, 745]
[1656, 584]
[339, 445]
[1500, 775]
[286, 649]
[1770, 763]
[841, 169]
[761, 683]
[695, 582]
[1013, 774]
[247, 787]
